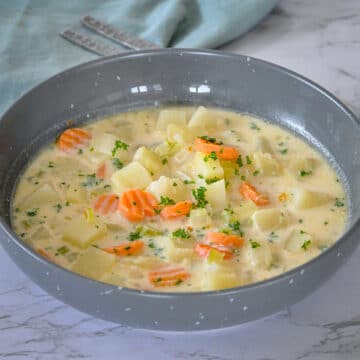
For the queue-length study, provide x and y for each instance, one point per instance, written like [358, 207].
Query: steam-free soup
[179, 199]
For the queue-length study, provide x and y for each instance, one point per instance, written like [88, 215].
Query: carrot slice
[229, 241]
[127, 249]
[203, 250]
[249, 192]
[168, 276]
[101, 171]
[106, 204]
[43, 253]
[135, 204]
[179, 209]
[223, 152]
[72, 139]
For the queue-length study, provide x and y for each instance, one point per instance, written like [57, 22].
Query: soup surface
[179, 199]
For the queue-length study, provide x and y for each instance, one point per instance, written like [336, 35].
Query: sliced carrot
[168, 276]
[127, 249]
[101, 171]
[249, 192]
[135, 204]
[43, 253]
[72, 139]
[223, 152]
[230, 241]
[203, 250]
[179, 209]
[106, 204]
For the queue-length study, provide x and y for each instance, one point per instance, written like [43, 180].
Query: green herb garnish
[306, 244]
[304, 172]
[239, 161]
[164, 161]
[339, 203]
[32, 212]
[248, 160]
[253, 126]
[210, 140]
[212, 156]
[187, 182]
[117, 163]
[181, 233]
[119, 145]
[51, 164]
[135, 235]
[272, 236]
[199, 195]
[283, 151]
[254, 244]
[58, 207]
[164, 200]
[256, 173]
[63, 250]
[212, 180]
[91, 180]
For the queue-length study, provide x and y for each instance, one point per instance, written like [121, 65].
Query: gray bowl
[142, 79]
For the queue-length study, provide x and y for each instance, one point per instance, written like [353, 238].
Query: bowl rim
[12, 236]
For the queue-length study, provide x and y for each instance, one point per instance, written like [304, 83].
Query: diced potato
[178, 250]
[104, 143]
[178, 134]
[230, 168]
[199, 218]
[167, 148]
[265, 163]
[297, 239]
[165, 186]
[203, 118]
[261, 256]
[218, 277]
[81, 233]
[171, 117]
[216, 195]
[206, 167]
[94, 159]
[267, 219]
[149, 159]
[114, 279]
[305, 199]
[42, 233]
[302, 164]
[263, 145]
[182, 156]
[93, 263]
[133, 175]
[242, 212]
[43, 195]
[75, 195]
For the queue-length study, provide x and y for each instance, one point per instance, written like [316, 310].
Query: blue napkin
[31, 49]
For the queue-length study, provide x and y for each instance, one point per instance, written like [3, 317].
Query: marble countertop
[321, 40]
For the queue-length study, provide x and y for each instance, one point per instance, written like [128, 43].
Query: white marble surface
[317, 38]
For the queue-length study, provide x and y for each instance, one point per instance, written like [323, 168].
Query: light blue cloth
[31, 49]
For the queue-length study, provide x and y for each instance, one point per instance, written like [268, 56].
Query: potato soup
[179, 199]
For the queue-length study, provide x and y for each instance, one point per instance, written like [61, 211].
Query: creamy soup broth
[179, 199]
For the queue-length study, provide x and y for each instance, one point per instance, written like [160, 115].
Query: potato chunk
[43, 195]
[150, 160]
[178, 134]
[174, 117]
[81, 233]
[242, 212]
[298, 239]
[173, 188]
[104, 143]
[267, 219]
[178, 250]
[259, 255]
[199, 218]
[93, 263]
[219, 277]
[265, 163]
[133, 175]
[206, 167]
[202, 118]
[216, 195]
[305, 199]
[75, 194]
[302, 164]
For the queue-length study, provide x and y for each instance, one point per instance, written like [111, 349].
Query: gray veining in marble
[321, 40]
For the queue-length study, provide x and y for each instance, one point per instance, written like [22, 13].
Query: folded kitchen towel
[31, 49]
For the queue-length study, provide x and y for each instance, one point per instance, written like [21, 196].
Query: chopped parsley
[254, 244]
[51, 164]
[212, 156]
[119, 145]
[326, 223]
[253, 126]
[187, 182]
[304, 172]
[32, 212]
[91, 180]
[235, 227]
[117, 163]
[248, 160]
[239, 161]
[256, 172]
[181, 233]
[135, 235]
[300, 221]
[339, 203]
[199, 195]
[272, 236]
[58, 207]
[164, 161]
[306, 244]
[164, 200]
[151, 245]
[178, 282]
[283, 151]
[211, 140]
[63, 250]
[80, 151]
[212, 180]
[174, 184]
